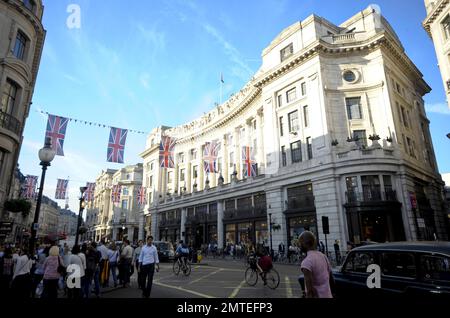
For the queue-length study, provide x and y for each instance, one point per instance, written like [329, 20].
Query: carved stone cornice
[432, 16]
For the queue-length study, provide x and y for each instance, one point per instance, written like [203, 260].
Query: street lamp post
[270, 233]
[80, 213]
[46, 155]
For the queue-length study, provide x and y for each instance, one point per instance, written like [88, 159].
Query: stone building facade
[437, 25]
[21, 42]
[116, 221]
[335, 116]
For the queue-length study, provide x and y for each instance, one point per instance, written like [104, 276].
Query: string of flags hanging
[57, 127]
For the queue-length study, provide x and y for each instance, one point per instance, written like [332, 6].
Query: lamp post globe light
[448, 135]
[80, 213]
[46, 155]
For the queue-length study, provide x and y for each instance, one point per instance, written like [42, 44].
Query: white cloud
[144, 80]
[155, 38]
[439, 108]
[73, 79]
[231, 51]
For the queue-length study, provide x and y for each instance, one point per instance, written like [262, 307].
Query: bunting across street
[29, 189]
[141, 196]
[89, 193]
[56, 130]
[116, 145]
[115, 193]
[210, 154]
[61, 189]
[248, 157]
[166, 152]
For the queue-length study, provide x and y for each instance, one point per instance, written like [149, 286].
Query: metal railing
[371, 195]
[10, 123]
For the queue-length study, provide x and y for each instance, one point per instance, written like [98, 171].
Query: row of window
[293, 120]
[9, 96]
[291, 94]
[296, 152]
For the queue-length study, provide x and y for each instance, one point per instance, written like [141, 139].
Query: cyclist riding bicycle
[264, 263]
[182, 253]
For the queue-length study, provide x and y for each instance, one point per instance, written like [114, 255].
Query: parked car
[165, 250]
[407, 268]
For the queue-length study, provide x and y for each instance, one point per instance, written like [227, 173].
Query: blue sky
[140, 64]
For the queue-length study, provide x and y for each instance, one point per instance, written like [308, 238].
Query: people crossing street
[148, 259]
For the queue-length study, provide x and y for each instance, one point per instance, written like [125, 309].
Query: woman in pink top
[316, 268]
[51, 275]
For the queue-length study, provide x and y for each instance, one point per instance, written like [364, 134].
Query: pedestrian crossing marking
[288, 287]
[184, 289]
[199, 279]
[236, 290]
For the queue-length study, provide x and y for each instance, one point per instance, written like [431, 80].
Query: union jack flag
[61, 189]
[29, 189]
[56, 130]
[116, 144]
[210, 156]
[141, 196]
[89, 193]
[166, 152]
[115, 193]
[248, 158]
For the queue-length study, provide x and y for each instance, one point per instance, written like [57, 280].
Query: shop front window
[230, 234]
[261, 233]
[297, 225]
[245, 232]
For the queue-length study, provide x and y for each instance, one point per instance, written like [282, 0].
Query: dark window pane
[435, 267]
[358, 262]
[398, 264]
[353, 107]
[296, 151]
[293, 121]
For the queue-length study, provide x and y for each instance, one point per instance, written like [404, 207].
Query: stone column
[154, 227]
[237, 152]
[201, 174]
[141, 225]
[259, 135]
[225, 162]
[220, 227]
[183, 224]
[275, 206]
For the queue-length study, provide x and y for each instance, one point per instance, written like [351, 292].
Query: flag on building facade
[29, 189]
[141, 196]
[166, 152]
[210, 153]
[116, 145]
[61, 189]
[115, 193]
[249, 162]
[89, 193]
[56, 131]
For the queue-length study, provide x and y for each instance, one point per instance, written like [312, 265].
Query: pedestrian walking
[76, 259]
[104, 263]
[53, 269]
[337, 252]
[113, 258]
[38, 274]
[316, 268]
[126, 258]
[6, 270]
[21, 280]
[136, 254]
[148, 259]
[92, 270]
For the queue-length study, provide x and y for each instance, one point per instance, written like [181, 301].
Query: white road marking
[199, 279]
[236, 290]
[183, 289]
[288, 287]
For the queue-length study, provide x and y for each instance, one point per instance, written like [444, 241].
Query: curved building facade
[21, 42]
[336, 124]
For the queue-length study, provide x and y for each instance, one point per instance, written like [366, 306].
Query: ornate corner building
[21, 42]
[115, 221]
[437, 25]
[336, 119]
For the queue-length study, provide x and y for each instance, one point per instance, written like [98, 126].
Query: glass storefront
[230, 233]
[299, 224]
[212, 233]
[244, 230]
[261, 233]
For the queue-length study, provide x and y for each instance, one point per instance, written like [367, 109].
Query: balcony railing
[371, 195]
[169, 222]
[244, 213]
[10, 123]
[298, 203]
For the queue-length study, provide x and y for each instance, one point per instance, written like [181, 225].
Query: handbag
[61, 269]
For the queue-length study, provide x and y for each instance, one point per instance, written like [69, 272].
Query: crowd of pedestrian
[43, 273]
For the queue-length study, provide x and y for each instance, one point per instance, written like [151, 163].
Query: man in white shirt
[147, 260]
[126, 258]
[104, 266]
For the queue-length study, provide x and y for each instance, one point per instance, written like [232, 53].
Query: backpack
[91, 261]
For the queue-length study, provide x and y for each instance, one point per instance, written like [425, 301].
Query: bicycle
[185, 267]
[271, 277]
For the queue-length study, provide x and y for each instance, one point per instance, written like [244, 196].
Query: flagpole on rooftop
[221, 88]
